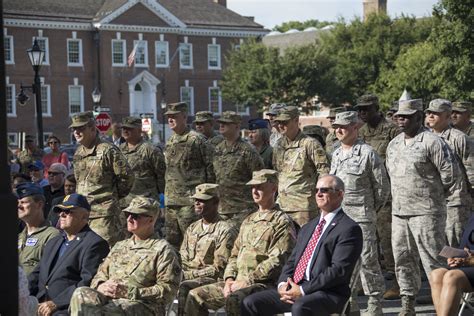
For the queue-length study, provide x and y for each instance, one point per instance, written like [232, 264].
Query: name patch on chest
[31, 242]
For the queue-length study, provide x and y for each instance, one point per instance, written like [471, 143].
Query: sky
[273, 12]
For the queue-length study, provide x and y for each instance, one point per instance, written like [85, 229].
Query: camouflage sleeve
[465, 150]
[232, 269]
[159, 168]
[317, 155]
[102, 274]
[124, 176]
[207, 154]
[394, 131]
[256, 162]
[379, 179]
[183, 252]
[168, 276]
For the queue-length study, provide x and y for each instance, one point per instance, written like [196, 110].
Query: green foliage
[300, 26]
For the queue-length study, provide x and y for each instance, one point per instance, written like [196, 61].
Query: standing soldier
[265, 241]
[461, 117]
[424, 174]
[30, 154]
[331, 139]
[438, 117]
[234, 162]
[188, 163]
[271, 114]
[299, 160]
[204, 122]
[378, 132]
[103, 176]
[259, 136]
[367, 189]
[317, 132]
[147, 162]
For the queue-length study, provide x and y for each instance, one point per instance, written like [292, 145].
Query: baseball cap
[81, 119]
[203, 116]
[28, 189]
[230, 117]
[367, 100]
[275, 108]
[314, 130]
[346, 118]
[36, 165]
[287, 113]
[206, 191]
[263, 176]
[132, 122]
[409, 107]
[462, 106]
[143, 205]
[175, 108]
[439, 105]
[72, 201]
[257, 124]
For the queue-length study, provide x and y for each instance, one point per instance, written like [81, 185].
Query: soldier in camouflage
[367, 189]
[204, 122]
[317, 132]
[139, 277]
[438, 117]
[299, 160]
[188, 163]
[461, 118]
[424, 175]
[234, 161]
[207, 244]
[271, 114]
[265, 241]
[30, 154]
[103, 176]
[331, 140]
[378, 132]
[259, 136]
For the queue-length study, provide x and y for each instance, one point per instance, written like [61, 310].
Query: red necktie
[304, 260]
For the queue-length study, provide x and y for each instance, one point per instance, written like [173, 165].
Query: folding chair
[467, 301]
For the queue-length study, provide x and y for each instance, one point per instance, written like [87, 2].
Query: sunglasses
[79, 129]
[66, 211]
[53, 142]
[326, 190]
[135, 216]
[50, 173]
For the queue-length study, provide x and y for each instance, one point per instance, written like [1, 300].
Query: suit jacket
[76, 267]
[334, 258]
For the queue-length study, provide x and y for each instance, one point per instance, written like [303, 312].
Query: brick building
[180, 48]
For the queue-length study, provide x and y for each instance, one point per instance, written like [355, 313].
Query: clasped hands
[462, 262]
[289, 291]
[231, 286]
[113, 289]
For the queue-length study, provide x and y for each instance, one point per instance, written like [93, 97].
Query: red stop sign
[103, 122]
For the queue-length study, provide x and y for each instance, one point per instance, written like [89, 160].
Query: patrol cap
[132, 122]
[143, 205]
[462, 106]
[72, 201]
[203, 116]
[263, 176]
[175, 108]
[257, 124]
[287, 113]
[346, 118]
[28, 189]
[206, 191]
[275, 108]
[81, 119]
[314, 130]
[230, 117]
[367, 100]
[29, 138]
[439, 106]
[334, 111]
[36, 165]
[58, 168]
[409, 107]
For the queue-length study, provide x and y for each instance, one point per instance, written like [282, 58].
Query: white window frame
[14, 139]
[12, 50]
[218, 46]
[46, 135]
[124, 52]
[81, 94]
[191, 102]
[48, 100]
[139, 43]
[246, 112]
[80, 63]
[46, 49]
[181, 47]
[219, 100]
[167, 54]
[13, 100]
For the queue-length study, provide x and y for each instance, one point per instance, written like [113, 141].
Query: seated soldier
[37, 231]
[140, 276]
[264, 243]
[207, 244]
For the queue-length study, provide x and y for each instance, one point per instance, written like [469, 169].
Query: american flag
[131, 57]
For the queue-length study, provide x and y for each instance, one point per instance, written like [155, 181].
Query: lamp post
[96, 96]
[163, 108]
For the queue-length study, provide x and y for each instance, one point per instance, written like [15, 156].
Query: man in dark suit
[70, 260]
[316, 277]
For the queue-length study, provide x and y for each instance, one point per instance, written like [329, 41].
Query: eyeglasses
[79, 129]
[326, 190]
[50, 173]
[134, 216]
[66, 211]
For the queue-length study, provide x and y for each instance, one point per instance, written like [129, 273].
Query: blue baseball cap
[257, 124]
[28, 189]
[37, 165]
[72, 201]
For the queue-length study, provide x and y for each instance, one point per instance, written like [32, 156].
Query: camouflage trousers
[303, 217]
[384, 232]
[415, 238]
[236, 219]
[187, 286]
[111, 228]
[177, 220]
[456, 220]
[89, 302]
[211, 296]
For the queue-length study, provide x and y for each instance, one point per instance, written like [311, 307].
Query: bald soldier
[299, 160]
[204, 122]
[103, 176]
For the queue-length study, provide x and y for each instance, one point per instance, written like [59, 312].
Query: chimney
[221, 2]
[374, 6]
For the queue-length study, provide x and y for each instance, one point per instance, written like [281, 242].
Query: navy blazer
[334, 259]
[75, 268]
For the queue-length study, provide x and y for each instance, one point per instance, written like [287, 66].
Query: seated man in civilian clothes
[207, 244]
[315, 280]
[264, 243]
[70, 260]
[141, 274]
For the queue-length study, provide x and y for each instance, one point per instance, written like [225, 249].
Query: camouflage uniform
[332, 143]
[266, 153]
[150, 268]
[264, 243]
[215, 139]
[424, 175]
[25, 158]
[30, 247]
[463, 106]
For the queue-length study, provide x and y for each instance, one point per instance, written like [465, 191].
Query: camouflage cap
[206, 191]
[287, 113]
[275, 108]
[143, 205]
[334, 111]
[203, 116]
[82, 119]
[462, 106]
[314, 130]
[230, 117]
[367, 100]
[346, 118]
[439, 105]
[132, 122]
[175, 108]
[263, 176]
[409, 107]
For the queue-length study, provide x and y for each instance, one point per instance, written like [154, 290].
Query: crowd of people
[276, 223]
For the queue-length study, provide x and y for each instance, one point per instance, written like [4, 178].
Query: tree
[300, 26]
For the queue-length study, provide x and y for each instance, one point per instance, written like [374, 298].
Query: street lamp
[96, 96]
[163, 108]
